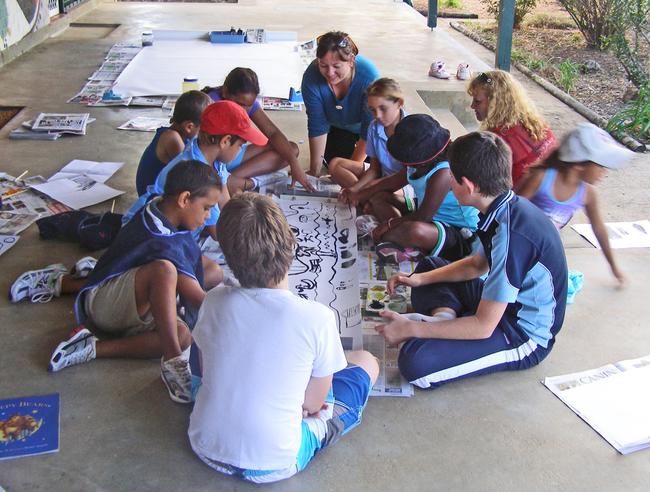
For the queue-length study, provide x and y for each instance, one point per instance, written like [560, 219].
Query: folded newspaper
[613, 399]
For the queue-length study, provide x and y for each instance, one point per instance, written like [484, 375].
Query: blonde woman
[359, 183]
[503, 108]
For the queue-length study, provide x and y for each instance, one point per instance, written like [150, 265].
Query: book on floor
[29, 426]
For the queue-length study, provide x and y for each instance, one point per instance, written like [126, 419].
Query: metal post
[432, 16]
[504, 37]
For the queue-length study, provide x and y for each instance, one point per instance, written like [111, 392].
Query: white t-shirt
[259, 348]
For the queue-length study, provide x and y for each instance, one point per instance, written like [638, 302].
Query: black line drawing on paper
[324, 267]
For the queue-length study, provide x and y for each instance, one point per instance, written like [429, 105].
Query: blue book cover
[29, 426]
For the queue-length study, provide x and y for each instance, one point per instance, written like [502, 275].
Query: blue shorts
[236, 162]
[350, 390]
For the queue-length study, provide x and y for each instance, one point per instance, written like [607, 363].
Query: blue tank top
[150, 165]
[559, 212]
[450, 211]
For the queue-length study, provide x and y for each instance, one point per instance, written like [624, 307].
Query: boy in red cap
[225, 127]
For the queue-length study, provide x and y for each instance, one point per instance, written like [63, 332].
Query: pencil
[113, 206]
[19, 177]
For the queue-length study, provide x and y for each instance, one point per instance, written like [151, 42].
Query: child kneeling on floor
[507, 321]
[130, 298]
[276, 387]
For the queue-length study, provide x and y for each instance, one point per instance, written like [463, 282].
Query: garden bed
[550, 46]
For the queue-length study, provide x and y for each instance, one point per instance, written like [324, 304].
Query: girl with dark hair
[241, 86]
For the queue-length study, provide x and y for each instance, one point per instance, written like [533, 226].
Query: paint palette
[378, 299]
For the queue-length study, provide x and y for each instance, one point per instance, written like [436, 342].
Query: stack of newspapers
[613, 399]
[50, 126]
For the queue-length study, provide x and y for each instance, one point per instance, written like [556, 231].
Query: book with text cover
[29, 426]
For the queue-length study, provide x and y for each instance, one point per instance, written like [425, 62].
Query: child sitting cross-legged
[507, 320]
[128, 305]
[169, 141]
[432, 221]
[276, 386]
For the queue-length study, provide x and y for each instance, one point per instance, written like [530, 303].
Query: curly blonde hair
[508, 104]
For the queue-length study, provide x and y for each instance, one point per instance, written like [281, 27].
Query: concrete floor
[120, 431]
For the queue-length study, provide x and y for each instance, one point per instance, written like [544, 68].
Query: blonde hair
[386, 88]
[508, 104]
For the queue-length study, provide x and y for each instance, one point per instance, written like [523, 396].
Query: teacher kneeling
[334, 90]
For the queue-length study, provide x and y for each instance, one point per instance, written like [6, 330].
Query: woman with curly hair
[503, 108]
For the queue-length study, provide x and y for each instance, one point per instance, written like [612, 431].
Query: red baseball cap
[229, 118]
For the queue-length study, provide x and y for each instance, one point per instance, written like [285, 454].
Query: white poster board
[160, 69]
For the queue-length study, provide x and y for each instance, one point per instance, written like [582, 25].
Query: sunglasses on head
[343, 43]
[484, 78]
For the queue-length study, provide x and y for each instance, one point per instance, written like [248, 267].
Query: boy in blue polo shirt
[225, 127]
[507, 321]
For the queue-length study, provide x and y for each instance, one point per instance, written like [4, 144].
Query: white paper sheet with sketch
[325, 264]
[621, 234]
[160, 69]
[98, 171]
[78, 192]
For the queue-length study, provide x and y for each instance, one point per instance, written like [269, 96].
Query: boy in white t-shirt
[276, 385]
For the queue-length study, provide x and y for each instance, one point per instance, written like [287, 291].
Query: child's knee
[161, 270]
[334, 164]
[366, 361]
[184, 335]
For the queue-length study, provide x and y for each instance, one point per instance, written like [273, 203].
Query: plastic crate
[226, 37]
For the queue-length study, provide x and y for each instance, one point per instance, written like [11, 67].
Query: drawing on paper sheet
[325, 265]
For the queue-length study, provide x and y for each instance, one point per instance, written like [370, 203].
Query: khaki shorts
[111, 307]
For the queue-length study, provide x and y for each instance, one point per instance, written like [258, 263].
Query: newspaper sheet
[613, 399]
[621, 234]
[61, 122]
[7, 242]
[390, 381]
[22, 206]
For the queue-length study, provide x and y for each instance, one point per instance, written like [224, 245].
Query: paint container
[147, 38]
[397, 303]
[190, 83]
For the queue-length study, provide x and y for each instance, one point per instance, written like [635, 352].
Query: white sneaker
[438, 71]
[177, 377]
[38, 285]
[83, 267]
[463, 72]
[79, 348]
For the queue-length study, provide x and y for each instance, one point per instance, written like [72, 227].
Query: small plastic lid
[147, 33]
[191, 79]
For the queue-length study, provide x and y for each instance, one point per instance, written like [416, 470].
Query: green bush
[596, 19]
[634, 117]
[452, 4]
[522, 8]
[568, 73]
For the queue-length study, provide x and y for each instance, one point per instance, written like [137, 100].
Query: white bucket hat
[590, 143]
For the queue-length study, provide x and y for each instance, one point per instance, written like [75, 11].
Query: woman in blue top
[334, 90]
[434, 223]
[241, 86]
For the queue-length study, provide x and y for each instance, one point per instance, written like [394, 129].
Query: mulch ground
[542, 50]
